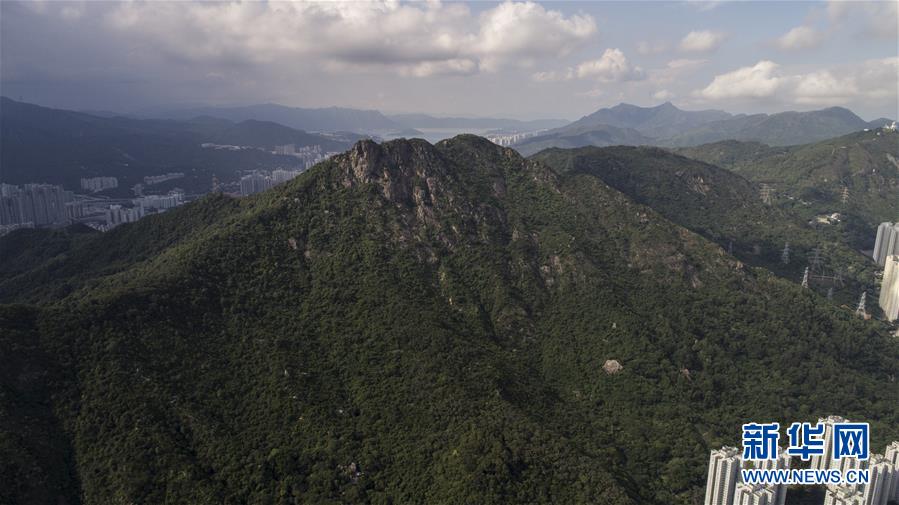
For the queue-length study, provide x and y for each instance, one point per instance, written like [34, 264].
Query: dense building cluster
[96, 184]
[309, 154]
[258, 182]
[156, 179]
[37, 204]
[725, 486]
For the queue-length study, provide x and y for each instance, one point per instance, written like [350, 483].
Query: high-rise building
[891, 455]
[725, 487]
[116, 215]
[889, 288]
[754, 494]
[826, 461]
[40, 204]
[887, 242]
[724, 472]
[880, 477]
[159, 202]
[842, 496]
[883, 480]
[95, 184]
[254, 183]
[280, 175]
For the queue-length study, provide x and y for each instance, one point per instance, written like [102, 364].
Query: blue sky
[513, 59]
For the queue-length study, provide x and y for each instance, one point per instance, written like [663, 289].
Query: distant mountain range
[343, 119]
[581, 135]
[658, 122]
[667, 125]
[330, 119]
[514, 125]
[39, 144]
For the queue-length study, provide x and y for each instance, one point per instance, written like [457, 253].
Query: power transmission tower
[785, 255]
[815, 259]
[805, 278]
[766, 192]
[844, 196]
[830, 293]
[860, 310]
[730, 248]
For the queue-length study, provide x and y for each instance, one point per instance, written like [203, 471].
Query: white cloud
[704, 5]
[877, 18]
[525, 31]
[663, 95]
[824, 87]
[801, 37]
[702, 41]
[612, 66]
[864, 81]
[645, 47]
[553, 76]
[674, 70]
[757, 81]
[415, 39]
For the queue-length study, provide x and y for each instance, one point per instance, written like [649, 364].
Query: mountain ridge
[666, 125]
[88, 146]
[409, 322]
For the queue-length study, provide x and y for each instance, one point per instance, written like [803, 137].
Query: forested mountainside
[727, 209]
[855, 175]
[408, 323]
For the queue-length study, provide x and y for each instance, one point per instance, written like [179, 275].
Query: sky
[513, 59]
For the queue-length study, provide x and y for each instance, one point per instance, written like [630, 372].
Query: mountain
[408, 323]
[39, 144]
[580, 136]
[263, 134]
[880, 122]
[781, 129]
[812, 178]
[328, 119]
[722, 207]
[514, 125]
[661, 121]
[666, 125]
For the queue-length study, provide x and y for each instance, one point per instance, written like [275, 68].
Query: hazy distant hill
[659, 122]
[39, 144]
[785, 128]
[666, 125]
[864, 163]
[409, 323]
[329, 119]
[427, 121]
[580, 136]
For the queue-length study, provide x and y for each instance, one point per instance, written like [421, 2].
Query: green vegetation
[724, 208]
[409, 323]
[810, 179]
